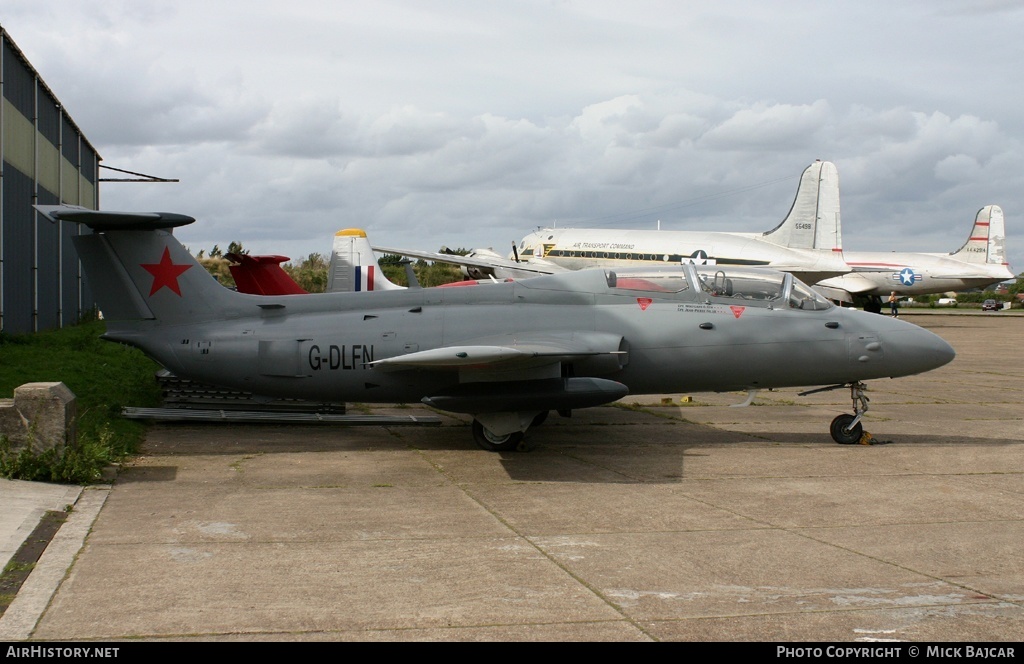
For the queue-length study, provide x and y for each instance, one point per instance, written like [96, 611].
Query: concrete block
[41, 415]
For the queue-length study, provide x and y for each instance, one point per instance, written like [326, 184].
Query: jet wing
[103, 220]
[488, 262]
[458, 357]
[511, 352]
[506, 373]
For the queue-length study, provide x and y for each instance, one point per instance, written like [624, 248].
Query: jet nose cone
[914, 350]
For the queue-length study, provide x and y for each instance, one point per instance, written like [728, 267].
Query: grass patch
[103, 376]
[18, 568]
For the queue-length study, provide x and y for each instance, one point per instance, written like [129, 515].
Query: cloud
[769, 127]
[464, 125]
[958, 168]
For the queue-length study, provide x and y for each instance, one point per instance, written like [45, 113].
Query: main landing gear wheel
[841, 431]
[493, 443]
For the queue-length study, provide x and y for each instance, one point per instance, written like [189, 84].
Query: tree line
[310, 273]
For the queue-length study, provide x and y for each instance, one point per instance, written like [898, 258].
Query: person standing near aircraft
[894, 304]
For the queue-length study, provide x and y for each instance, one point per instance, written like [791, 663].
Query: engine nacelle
[478, 271]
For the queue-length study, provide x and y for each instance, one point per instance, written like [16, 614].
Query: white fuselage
[879, 273]
[576, 249]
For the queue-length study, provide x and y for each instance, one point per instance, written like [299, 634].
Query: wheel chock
[867, 439]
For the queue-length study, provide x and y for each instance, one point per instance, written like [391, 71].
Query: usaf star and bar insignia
[906, 277]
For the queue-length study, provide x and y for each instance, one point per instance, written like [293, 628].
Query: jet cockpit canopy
[722, 284]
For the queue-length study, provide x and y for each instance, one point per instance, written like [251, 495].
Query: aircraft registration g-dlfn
[505, 353]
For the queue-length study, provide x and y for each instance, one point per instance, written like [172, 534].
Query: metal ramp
[274, 417]
[186, 400]
[183, 393]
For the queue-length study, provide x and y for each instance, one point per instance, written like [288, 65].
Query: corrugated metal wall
[46, 161]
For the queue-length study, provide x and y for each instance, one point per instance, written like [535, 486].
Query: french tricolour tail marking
[354, 266]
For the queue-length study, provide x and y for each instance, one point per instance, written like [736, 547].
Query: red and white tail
[987, 241]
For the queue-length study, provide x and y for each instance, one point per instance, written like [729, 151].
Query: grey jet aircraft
[505, 353]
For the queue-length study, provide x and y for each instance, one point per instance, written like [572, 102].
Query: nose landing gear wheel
[494, 443]
[844, 435]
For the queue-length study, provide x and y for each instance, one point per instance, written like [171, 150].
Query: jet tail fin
[987, 241]
[813, 221]
[138, 269]
[262, 275]
[353, 265]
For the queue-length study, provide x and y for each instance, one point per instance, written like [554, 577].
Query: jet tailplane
[140, 272]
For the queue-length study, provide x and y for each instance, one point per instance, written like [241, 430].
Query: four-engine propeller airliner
[807, 243]
[505, 353]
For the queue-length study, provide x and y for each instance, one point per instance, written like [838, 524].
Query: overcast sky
[468, 123]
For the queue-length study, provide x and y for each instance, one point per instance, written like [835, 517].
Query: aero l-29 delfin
[505, 353]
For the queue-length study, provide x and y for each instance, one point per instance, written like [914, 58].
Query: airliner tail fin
[987, 241]
[813, 222]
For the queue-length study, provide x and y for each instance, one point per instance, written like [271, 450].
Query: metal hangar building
[46, 161]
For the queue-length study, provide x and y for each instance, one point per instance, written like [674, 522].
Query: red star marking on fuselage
[165, 273]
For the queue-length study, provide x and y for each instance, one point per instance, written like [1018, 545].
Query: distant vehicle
[946, 302]
[990, 305]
